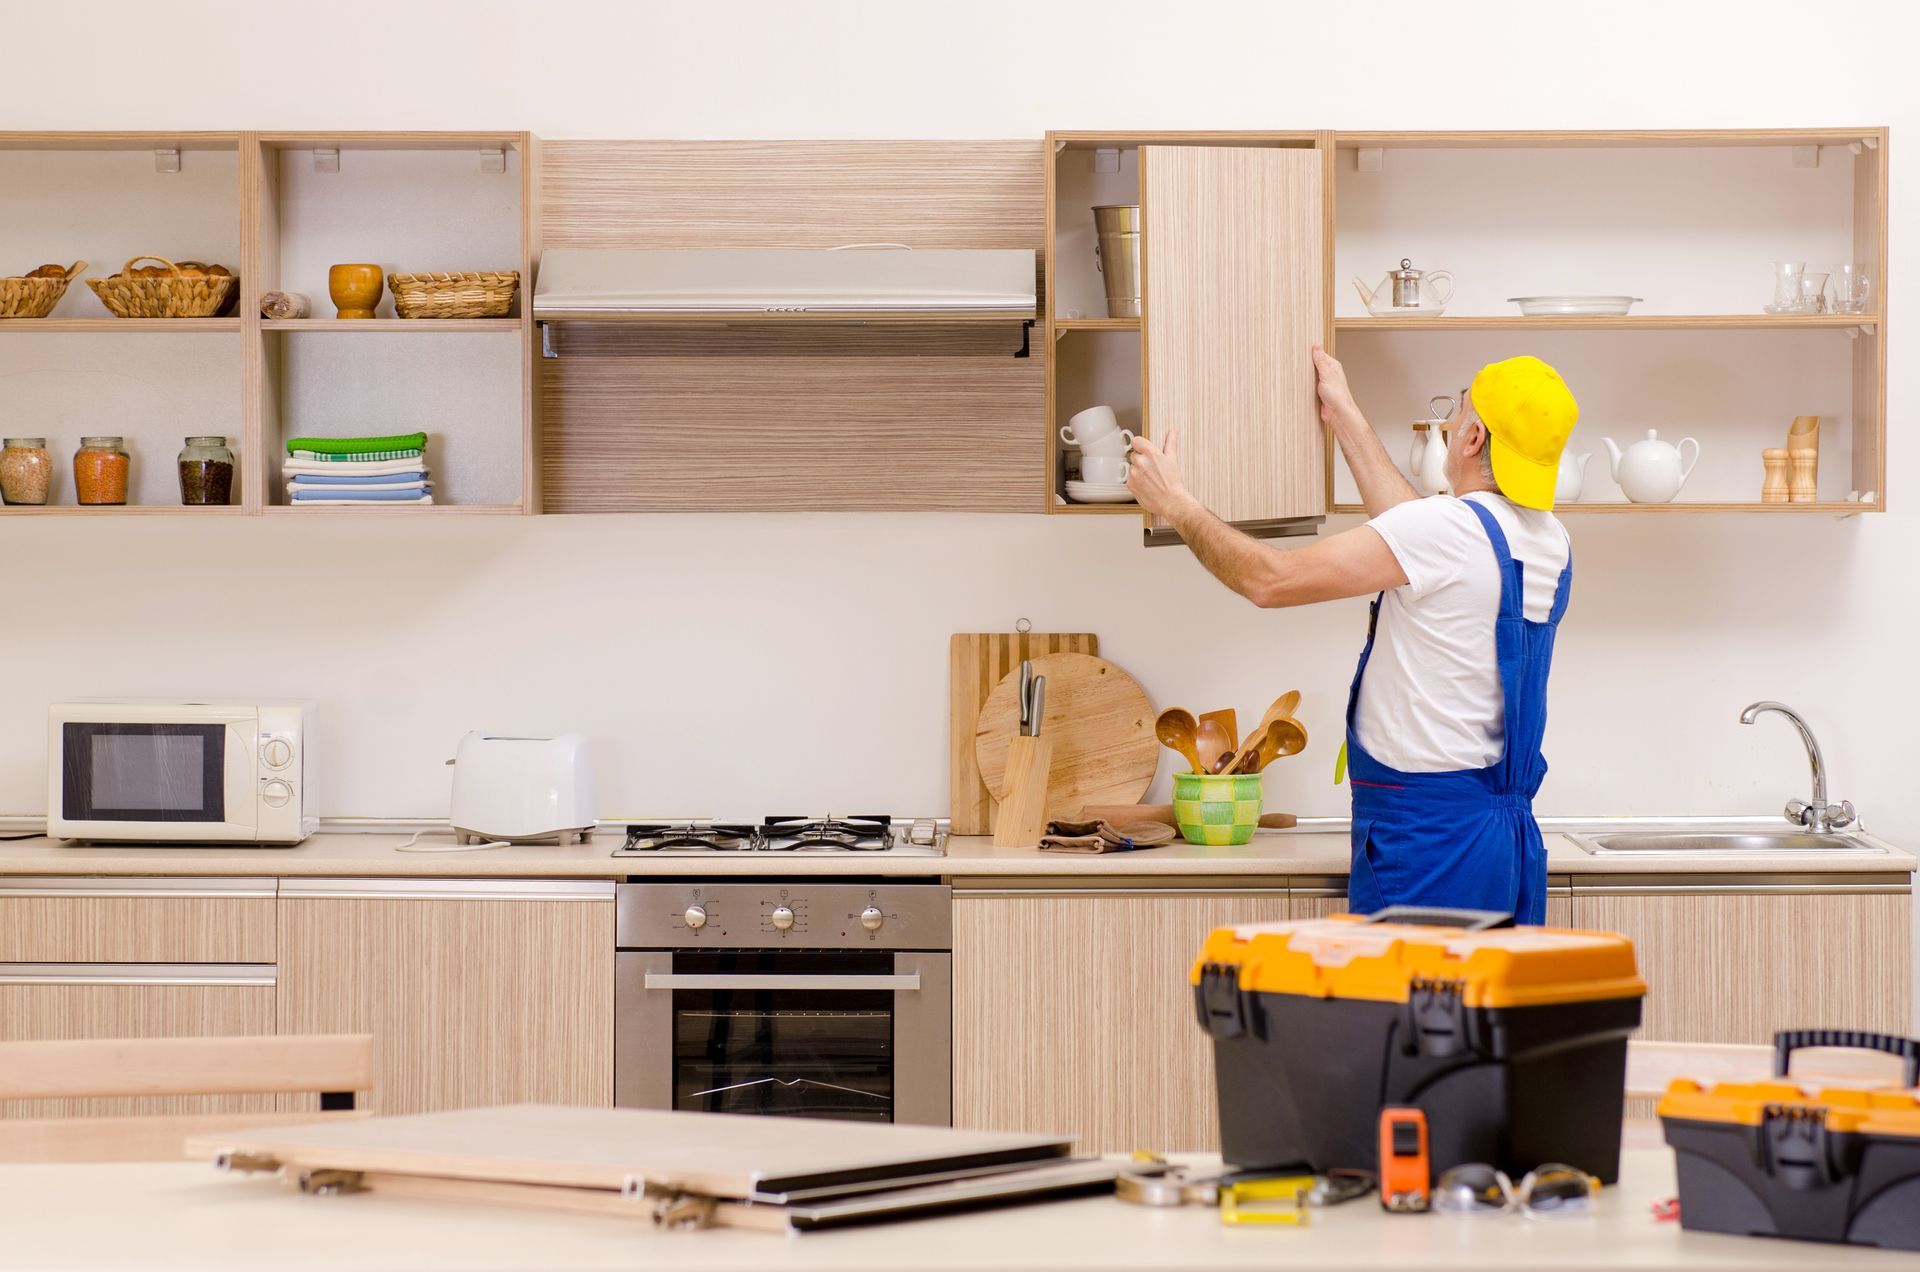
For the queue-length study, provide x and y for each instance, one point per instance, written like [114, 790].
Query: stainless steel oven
[789, 997]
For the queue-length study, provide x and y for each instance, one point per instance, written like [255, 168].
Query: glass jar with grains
[26, 471]
[206, 473]
[100, 471]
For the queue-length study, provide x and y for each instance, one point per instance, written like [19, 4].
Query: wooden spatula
[1282, 709]
[1229, 725]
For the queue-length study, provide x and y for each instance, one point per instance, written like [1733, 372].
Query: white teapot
[1651, 471]
[1572, 477]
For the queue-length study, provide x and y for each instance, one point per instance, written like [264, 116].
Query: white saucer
[1088, 492]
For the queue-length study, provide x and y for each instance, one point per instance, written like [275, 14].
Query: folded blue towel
[328, 479]
[364, 496]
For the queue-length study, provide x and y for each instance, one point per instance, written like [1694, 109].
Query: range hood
[868, 282]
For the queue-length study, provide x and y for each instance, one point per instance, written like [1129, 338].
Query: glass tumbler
[1813, 293]
[1851, 289]
[1786, 286]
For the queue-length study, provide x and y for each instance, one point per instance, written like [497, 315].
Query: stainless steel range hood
[881, 282]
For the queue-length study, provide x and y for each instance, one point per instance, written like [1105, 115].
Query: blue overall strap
[1525, 654]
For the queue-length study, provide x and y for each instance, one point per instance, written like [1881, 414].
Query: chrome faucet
[1816, 815]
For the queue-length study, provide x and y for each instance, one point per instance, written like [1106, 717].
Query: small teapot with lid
[1407, 291]
[1650, 470]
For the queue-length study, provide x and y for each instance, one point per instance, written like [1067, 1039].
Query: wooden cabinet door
[1233, 300]
[1735, 967]
[1072, 1013]
[475, 991]
[1316, 897]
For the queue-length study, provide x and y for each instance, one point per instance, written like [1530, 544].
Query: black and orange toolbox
[1782, 1159]
[1511, 1040]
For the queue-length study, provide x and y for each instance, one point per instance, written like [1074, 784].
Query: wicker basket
[35, 297]
[468, 294]
[172, 296]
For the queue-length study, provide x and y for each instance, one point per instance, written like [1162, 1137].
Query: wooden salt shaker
[1803, 481]
[1774, 489]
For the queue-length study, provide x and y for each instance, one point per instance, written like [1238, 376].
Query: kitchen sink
[1641, 843]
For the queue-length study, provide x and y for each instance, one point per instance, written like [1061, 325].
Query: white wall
[629, 629]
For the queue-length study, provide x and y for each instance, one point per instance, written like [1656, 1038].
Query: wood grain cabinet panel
[1735, 967]
[476, 992]
[1072, 1014]
[116, 920]
[1233, 299]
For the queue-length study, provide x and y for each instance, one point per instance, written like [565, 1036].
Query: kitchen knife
[1038, 706]
[1026, 698]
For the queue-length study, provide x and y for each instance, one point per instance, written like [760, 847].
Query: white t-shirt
[1430, 701]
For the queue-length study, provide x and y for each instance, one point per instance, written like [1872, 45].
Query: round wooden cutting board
[1101, 723]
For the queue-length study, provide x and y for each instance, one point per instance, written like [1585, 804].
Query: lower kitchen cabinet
[476, 991]
[1072, 1013]
[1730, 964]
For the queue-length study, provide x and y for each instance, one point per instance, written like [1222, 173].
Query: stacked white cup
[1103, 446]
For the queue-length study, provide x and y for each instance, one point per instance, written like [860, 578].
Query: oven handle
[702, 980]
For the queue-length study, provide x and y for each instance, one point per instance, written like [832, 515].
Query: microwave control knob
[277, 752]
[782, 917]
[695, 917]
[276, 793]
[871, 918]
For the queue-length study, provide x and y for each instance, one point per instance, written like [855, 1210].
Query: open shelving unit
[260, 204]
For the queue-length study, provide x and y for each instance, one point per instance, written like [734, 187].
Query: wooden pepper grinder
[1803, 480]
[1774, 490]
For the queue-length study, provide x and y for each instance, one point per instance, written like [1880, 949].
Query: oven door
[864, 1035]
[187, 778]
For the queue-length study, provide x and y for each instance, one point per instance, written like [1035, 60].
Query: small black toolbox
[1778, 1159]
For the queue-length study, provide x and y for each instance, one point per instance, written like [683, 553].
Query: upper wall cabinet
[1231, 286]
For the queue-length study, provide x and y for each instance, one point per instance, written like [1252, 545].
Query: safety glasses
[1553, 1191]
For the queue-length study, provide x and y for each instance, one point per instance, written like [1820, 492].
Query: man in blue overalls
[1449, 705]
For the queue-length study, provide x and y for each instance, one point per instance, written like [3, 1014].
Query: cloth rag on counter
[364, 457]
[1104, 836]
[363, 481]
[357, 445]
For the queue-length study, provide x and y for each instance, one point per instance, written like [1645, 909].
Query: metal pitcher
[1116, 254]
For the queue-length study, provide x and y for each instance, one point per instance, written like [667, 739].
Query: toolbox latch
[1794, 1148]
[1217, 998]
[1434, 1021]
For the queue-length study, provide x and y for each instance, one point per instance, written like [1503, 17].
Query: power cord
[414, 845]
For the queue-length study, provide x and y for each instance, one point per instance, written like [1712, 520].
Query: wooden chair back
[336, 1067]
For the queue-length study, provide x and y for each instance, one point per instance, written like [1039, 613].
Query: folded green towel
[356, 445]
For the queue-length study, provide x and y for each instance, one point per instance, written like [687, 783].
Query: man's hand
[1336, 399]
[1153, 475]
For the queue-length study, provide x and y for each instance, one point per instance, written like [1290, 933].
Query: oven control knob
[277, 752]
[276, 793]
[782, 917]
[695, 917]
[871, 918]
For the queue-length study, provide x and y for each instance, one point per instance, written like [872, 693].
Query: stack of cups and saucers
[1102, 444]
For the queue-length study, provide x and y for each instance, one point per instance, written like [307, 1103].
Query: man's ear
[1475, 439]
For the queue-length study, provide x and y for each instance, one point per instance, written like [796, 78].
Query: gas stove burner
[869, 833]
[693, 837]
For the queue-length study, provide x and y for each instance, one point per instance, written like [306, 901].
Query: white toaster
[522, 789]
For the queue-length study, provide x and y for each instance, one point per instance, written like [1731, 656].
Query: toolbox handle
[1442, 916]
[1788, 1041]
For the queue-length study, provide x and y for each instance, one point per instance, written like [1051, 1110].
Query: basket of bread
[34, 294]
[187, 289]
[465, 294]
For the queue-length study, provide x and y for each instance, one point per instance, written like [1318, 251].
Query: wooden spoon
[1283, 737]
[1282, 709]
[1175, 727]
[1215, 747]
[1228, 723]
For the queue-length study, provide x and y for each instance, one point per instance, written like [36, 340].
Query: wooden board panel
[718, 417]
[136, 929]
[976, 662]
[1234, 300]
[1735, 968]
[133, 1139]
[1099, 721]
[469, 1002]
[1072, 1013]
[135, 1011]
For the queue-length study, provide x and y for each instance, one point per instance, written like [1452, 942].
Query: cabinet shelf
[1067, 508]
[390, 324]
[176, 326]
[1612, 322]
[121, 510]
[1096, 324]
[395, 509]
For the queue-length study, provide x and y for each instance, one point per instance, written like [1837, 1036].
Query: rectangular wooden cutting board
[976, 662]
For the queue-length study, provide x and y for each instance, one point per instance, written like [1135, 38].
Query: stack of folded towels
[358, 470]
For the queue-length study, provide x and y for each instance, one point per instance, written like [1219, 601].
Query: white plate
[1086, 492]
[1574, 306]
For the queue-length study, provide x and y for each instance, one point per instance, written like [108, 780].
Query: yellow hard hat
[1529, 412]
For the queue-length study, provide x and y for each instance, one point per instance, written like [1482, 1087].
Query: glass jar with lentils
[100, 471]
[26, 471]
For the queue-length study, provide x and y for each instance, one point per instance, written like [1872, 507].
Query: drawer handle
[219, 974]
[701, 980]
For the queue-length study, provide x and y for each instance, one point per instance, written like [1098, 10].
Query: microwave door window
[145, 772]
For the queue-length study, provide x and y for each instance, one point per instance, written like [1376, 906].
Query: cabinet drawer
[135, 1000]
[102, 920]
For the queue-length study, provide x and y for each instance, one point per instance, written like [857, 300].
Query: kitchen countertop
[1306, 851]
[168, 1215]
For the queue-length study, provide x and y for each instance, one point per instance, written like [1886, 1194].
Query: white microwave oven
[146, 771]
